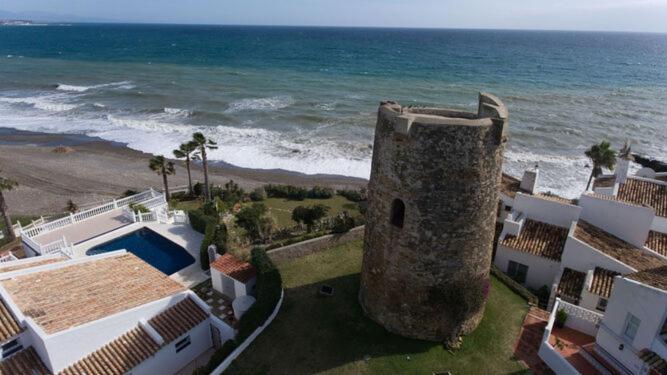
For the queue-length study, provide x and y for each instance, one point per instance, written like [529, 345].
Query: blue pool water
[154, 249]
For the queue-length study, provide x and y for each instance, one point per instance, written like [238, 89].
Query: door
[228, 287]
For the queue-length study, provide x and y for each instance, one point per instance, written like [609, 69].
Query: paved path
[529, 340]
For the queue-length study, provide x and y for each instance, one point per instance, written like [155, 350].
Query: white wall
[581, 257]
[627, 222]
[659, 224]
[541, 271]
[66, 347]
[547, 211]
[216, 279]
[646, 303]
[167, 361]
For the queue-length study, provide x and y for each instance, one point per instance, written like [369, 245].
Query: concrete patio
[87, 229]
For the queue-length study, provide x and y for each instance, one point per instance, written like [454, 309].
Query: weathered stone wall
[300, 249]
[429, 279]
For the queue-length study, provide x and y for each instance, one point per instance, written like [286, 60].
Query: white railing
[179, 217]
[155, 202]
[8, 257]
[551, 356]
[148, 196]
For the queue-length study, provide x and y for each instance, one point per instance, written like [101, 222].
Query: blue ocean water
[304, 99]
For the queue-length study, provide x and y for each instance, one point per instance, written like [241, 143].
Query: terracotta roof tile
[655, 363]
[126, 352]
[656, 277]
[178, 319]
[79, 293]
[603, 281]
[571, 284]
[615, 247]
[657, 242]
[13, 266]
[555, 198]
[234, 267]
[24, 362]
[645, 193]
[539, 239]
[9, 327]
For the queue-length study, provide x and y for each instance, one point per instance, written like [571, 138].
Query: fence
[549, 355]
[580, 319]
[8, 257]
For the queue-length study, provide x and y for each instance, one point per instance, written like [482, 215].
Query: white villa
[604, 260]
[79, 305]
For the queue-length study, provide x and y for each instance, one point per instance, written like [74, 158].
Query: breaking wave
[261, 104]
[73, 88]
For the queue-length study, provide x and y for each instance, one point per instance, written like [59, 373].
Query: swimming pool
[152, 248]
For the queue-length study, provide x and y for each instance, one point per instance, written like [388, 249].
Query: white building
[233, 277]
[110, 313]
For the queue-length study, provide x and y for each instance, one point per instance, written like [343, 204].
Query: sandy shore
[97, 170]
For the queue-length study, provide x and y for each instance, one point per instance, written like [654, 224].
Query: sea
[305, 99]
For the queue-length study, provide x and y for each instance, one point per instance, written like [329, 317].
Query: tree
[187, 151]
[602, 156]
[251, 218]
[163, 168]
[309, 215]
[6, 184]
[204, 144]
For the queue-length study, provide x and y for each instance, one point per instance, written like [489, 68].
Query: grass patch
[189, 205]
[331, 335]
[281, 209]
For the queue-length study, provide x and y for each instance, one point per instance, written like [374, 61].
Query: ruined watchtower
[431, 215]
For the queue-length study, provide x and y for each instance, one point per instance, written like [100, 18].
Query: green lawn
[313, 334]
[281, 209]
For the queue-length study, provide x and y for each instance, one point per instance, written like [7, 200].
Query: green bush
[198, 189]
[286, 191]
[561, 318]
[199, 220]
[268, 289]
[258, 194]
[309, 215]
[216, 359]
[129, 193]
[251, 219]
[318, 192]
[138, 208]
[353, 195]
[216, 234]
[343, 223]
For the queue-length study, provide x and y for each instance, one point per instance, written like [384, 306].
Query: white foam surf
[74, 88]
[42, 103]
[260, 104]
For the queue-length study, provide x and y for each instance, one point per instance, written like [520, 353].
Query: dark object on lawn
[443, 373]
[326, 290]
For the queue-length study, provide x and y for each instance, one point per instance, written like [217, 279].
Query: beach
[96, 170]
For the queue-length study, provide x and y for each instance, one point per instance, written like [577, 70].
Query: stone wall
[300, 249]
[428, 278]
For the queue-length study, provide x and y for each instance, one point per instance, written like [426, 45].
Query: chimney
[623, 163]
[530, 179]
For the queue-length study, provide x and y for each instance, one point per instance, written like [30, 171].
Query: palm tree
[163, 168]
[602, 156]
[203, 144]
[187, 151]
[6, 184]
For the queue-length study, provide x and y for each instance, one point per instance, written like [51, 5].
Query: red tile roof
[135, 346]
[603, 281]
[24, 362]
[656, 277]
[9, 327]
[509, 185]
[657, 242]
[645, 193]
[538, 238]
[570, 286]
[234, 267]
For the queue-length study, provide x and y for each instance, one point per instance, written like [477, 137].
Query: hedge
[199, 220]
[216, 234]
[297, 192]
[513, 285]
[352, 195]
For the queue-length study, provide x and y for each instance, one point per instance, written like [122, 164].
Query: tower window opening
[398, 213]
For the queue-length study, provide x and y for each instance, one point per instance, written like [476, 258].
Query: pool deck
[181, 234]
[87, 229]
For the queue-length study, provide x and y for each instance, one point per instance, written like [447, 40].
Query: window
[183, 344]
[517, 271]
[631, 326]
[397, 213]
[10, 348]
[602, 304]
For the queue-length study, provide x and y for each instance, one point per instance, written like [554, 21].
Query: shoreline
[98, 169]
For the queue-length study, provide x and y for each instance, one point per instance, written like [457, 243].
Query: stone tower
[432, 202]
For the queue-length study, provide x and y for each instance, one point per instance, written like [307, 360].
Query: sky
[611, 15]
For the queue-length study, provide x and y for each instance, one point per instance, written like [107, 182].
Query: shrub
[561, 318]
[198, 189]
[199, 220]
[216, 234]
[286, 191]
[353, 195]
[250, 218]
[318, 192]
[129, 193]
[138, 208]
[258, 194]
[343, 223]
[268, 289]
[309, 215]
[232, 193]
